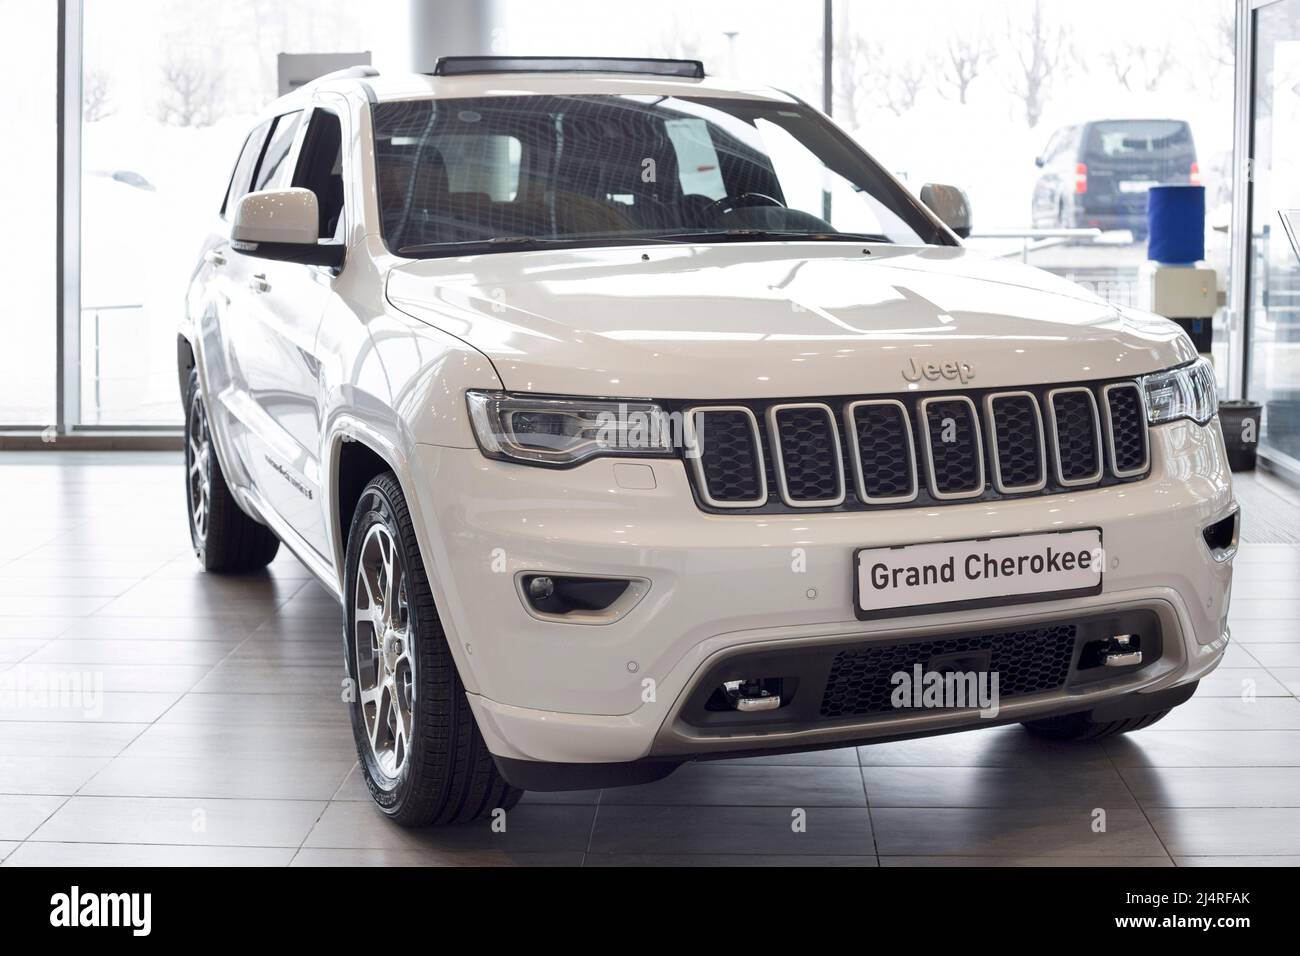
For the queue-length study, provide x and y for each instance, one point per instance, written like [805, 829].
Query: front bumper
[721, 585]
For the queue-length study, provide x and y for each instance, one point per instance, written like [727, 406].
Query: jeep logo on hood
[933, 371]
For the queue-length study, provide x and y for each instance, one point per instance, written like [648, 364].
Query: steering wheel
[728, 203]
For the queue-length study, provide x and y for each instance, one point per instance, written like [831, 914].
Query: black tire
[1083, 727]
[446, 773]
[223, 537]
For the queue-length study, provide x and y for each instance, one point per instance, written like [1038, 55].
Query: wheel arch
[357, 452]
[356, 456]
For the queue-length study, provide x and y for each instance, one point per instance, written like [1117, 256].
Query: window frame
[303, 141]
[290, 155]
[269, 125]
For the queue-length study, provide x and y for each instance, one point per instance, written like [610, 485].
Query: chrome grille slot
[1126, 429]
[727, 456]
[806, 454]
[954, 451]
[1019, 452]
[882, 450]
[1076, 436]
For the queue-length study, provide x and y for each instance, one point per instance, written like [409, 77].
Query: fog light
[540, 588]
[561, 594]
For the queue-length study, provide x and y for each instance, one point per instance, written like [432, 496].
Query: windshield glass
[503, 172]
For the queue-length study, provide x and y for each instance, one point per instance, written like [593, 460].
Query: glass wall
[1050, 115]
[28, 169]
[1274, 361]
[775, 42]
[997, 99]
[169, 91]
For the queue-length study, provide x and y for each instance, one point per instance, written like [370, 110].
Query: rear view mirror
[282, 224]
[951, 206]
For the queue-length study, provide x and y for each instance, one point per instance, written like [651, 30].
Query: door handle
[259, 284]
[214, 257]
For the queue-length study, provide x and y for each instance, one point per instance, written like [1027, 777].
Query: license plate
[948, 575]
[1135, 185]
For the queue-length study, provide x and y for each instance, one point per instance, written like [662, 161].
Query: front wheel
[421, 752]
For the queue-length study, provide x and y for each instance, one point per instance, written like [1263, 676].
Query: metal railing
[1033, 240]
[95, 312]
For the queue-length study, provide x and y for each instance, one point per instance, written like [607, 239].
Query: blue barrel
[1176, 224]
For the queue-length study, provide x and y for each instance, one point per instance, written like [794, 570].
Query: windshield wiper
[493, 242]
[526, 242]
[768, 235]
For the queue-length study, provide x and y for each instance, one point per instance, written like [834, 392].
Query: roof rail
[467, 65]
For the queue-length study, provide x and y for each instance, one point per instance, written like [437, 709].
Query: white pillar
[450, 28]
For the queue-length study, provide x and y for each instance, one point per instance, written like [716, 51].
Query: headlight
[562, 432]
[1185, 392]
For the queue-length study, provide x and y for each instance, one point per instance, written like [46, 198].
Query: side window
[273, 173]
[320, 169]
[244, 167]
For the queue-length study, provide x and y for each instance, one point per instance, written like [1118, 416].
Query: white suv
[636, 418]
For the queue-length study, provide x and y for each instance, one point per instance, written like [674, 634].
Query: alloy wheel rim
[385, 662]
[199, 448]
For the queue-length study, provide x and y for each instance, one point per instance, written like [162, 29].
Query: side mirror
[282, 224]
[951, 206]
[1040, 162]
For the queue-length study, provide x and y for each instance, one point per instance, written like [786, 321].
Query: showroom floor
[220, 735]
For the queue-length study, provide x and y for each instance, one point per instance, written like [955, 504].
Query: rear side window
[244, 168]
[274, 171]
[1138, 138]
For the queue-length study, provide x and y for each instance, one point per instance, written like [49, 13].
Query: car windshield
[498, 173]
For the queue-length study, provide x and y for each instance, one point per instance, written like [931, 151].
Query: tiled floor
[220, 736]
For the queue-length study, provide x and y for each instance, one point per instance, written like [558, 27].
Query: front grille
[1026, 662]
[850, 453]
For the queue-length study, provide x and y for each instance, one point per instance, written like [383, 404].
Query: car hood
[765, 320]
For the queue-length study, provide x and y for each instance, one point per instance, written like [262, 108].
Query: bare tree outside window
[96, 103]
[964, 60]
[1140, 67]
[855, 74]
[191, 87]
[1221, 46]
[1039, 55]
[905, 80]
